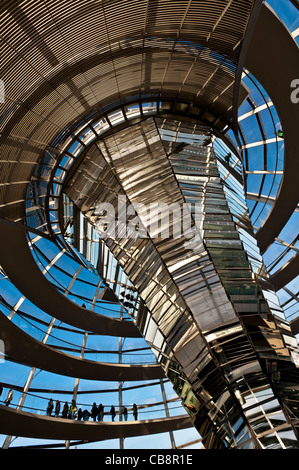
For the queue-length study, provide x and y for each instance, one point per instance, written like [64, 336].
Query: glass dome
[162, 105]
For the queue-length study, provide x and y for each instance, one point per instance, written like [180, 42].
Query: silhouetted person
[94, 411]
[125, 413]
[9, 397]
[57, 408]
[50, 407]
[80, 414]
[227, 157]
[73, 410]
[135, 411]
[100, 412]
[112, 412]
[85, 415]
[65, 410]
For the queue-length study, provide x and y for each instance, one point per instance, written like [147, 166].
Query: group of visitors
[96, 413]
[72, 412]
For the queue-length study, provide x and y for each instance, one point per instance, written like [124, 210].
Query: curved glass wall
[33, 388]
[254, 160]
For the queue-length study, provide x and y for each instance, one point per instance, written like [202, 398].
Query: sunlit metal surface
[145, 107]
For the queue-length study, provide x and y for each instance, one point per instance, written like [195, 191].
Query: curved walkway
[20, 423]
[28, 351]
[21, 268]
[285, 274]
